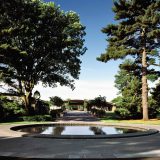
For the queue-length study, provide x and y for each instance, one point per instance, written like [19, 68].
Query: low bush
[123, 113]
[42, 108]
[10, 109]
[153, 108]
[109, 115]
[56, 113]
[98, 112]
[37, 118]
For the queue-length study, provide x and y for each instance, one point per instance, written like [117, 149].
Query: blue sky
[94, 14]
[96, 78]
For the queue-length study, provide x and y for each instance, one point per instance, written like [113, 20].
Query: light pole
[37, 97]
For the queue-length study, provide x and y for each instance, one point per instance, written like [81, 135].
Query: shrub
[42, 108]
[158, 116]
[37, 118]
[56, 113]
[153, 108]
[10, 109]
[98, 112]
[101, 113]
[128, 107]
[123, 113]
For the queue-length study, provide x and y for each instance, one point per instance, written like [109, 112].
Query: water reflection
[34, 129]
[57, 130]
[124, 130]
[97, 130]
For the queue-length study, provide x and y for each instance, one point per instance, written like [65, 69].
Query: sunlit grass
[112, 118]
[151, 121]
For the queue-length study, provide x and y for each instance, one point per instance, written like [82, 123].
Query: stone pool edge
[147, 131]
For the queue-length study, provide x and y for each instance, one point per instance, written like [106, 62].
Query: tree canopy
[39, 42]
[57, 101]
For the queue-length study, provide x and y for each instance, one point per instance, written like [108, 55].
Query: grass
[28, 120]
[111, 118]
[106, 120]
[24, 122]
[139, 121]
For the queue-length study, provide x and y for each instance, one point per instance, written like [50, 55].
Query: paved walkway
[78, 116]
[13, 145]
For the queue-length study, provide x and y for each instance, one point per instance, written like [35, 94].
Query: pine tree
[137, 34]
[156, 95]
[127, 81]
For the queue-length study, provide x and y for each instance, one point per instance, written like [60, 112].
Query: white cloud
[84, 90]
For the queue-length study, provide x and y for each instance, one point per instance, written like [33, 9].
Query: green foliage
[117, 101]
[129, 85]
[38, 43]
[136, 34]
[110, 116]
[154, 100]
[128, 108]
[156, 93]
[57, 101]
[123, 113]
[154, 108]
[10, 109]
[98, 112]
[125, 38]
[42, 107]
[99, 102]
[37, 118]
[56, 113]
[98, 106]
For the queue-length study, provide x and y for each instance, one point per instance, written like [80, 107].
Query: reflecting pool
[57, 130]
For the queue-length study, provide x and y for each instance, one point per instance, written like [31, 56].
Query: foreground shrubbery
[128, 110]
[10, 109]
[13, 110]
[56, 113]
[37, 118]
[52, 116]
[98, 106]
[98, 112]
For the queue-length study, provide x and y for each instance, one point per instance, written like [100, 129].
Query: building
[75, 104]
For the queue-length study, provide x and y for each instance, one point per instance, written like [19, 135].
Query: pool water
[57, 130]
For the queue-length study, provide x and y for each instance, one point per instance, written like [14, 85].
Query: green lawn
[152, 121]
[106, 120]
[111, 118]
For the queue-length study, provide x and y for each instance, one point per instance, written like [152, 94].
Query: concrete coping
[140, 131]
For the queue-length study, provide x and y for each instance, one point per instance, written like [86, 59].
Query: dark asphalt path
[78, 116]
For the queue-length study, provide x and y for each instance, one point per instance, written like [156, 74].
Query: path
[78, 116]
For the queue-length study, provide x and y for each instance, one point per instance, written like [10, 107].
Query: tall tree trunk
[144, 86]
